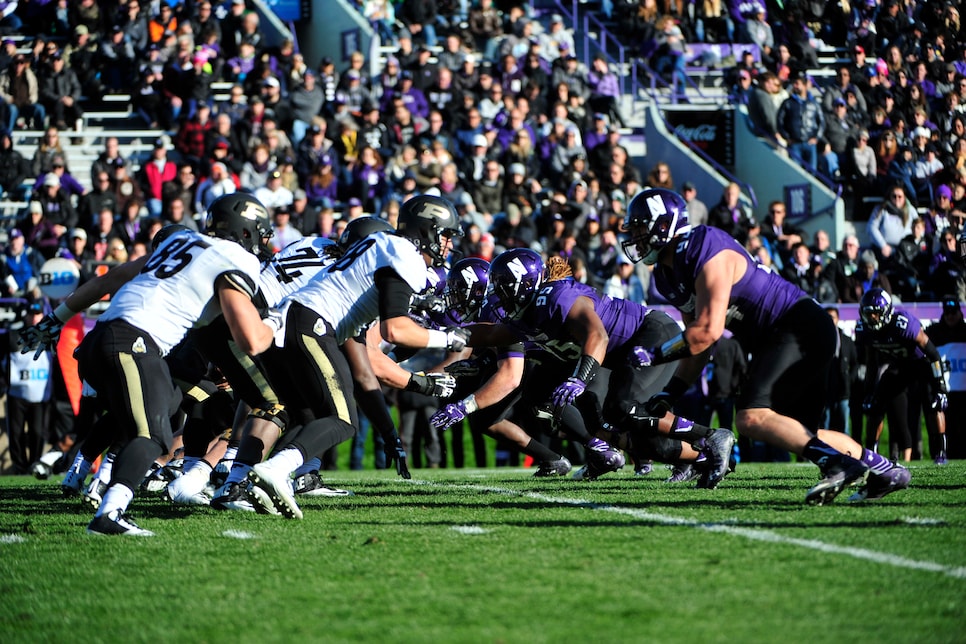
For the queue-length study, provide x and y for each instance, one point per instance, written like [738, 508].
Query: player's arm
[44, 334]
[392, 375]
[397, 327]
[492, 335]
[940, 391]
[508, 376]
[247, 329]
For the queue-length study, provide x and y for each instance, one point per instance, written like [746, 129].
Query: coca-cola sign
[712, 131]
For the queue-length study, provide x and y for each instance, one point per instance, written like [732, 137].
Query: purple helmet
[515, 277]
[875, 308]
[466, 286]
[654, 218]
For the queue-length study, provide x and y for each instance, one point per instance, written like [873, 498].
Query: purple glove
[640, 357]
[940, 401]
[567, 393]
[448, 416]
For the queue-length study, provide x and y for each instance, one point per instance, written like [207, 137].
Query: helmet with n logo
[466, 286]
[875, 308]
[654, 218]
[241, 218]
[515, 277]
[429, 222]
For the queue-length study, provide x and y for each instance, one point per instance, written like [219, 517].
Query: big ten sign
[711, 131]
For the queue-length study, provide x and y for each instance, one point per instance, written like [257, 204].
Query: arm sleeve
[394, 294]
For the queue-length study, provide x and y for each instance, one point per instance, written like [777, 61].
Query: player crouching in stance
[902, 358]
[160, 298]
[715, 284]
[576, 324]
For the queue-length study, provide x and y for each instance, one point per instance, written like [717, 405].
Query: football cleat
[556, 467]
[879, 485]
[311, 484]
[643, 468]
[220, 474]
[158, 477]
[73, 481]
[683, 472]
[116, 522]
[189, 488]
[941, 458]
[233, 496]
[601, 459]
[717, 447]
[839, 472]
[94, 493]
[273, 490]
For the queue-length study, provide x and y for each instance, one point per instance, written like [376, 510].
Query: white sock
[286, 461]
[238, 473]
[188, 462]
[107, 465]
[230, 454]
[311, 465]
[117, 497]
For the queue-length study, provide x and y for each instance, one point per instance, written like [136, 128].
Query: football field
[498, 556]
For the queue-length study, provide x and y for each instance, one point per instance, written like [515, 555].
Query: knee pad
[276, 414]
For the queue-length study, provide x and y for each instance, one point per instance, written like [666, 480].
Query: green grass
[622, 559]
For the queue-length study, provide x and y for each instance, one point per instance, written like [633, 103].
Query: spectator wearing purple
[604, 89]
[514, 124]
[322, 184]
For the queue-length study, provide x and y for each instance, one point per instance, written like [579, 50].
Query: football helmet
[240, 218]
[166, 232]
[515, 277]
[360, 228]
[875, 308]
[429, 222]
[654, 218]
[466, 286]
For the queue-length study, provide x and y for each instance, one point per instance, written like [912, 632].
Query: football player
[901, 358]
[715, 284]
[163, 295]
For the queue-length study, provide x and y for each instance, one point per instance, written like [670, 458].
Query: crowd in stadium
[488, 107]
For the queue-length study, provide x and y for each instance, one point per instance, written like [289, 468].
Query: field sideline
[497, 556]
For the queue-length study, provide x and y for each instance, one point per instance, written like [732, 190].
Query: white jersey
[345, 294]
[292, 268]
[175, 291]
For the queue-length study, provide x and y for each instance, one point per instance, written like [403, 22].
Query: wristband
[437, 339]
[63, 313]
[587, 368]
[674, 349]
[937, 369]
[469, 404]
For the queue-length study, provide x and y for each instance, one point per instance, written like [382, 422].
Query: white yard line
[754, 534]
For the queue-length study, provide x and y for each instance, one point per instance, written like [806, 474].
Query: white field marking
[755, 534]
[469, 529]
[237, 534]
[922, 521]
[11, 538]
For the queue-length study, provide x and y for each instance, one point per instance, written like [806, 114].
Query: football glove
[428, 303]
[41, 337]
[461, 368]
[453, 413]
[640, 357]
[456, 338]
[439, 385]
[393, 449]
[566, 393]
[940, 401]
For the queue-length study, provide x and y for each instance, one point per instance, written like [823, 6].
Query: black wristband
[420, 384]
[676, 348]
[587, 368]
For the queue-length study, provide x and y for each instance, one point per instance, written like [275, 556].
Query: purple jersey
[759, 299]
[544, 320]
[896, 339]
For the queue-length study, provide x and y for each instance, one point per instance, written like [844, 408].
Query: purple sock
[878, 463]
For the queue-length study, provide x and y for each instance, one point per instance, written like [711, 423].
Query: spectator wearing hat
[472, 166]
[697, 209]
[323, 182]
[947, 272]
[556, 38]
[58, 167]
[273, 194]
[40, 233]
[284, 233]
[306, 101]
[764, 103]
[939, 215]
[313, 150]
[219, 183]
[801, 122]
[841, 131]
[742, 90]
[13, 168]
[155, 172]
[117, 60]
[19, 265]
[867, 276]
[20, 90]
[80, 55]
[276, 104]
[82, 255]
[303, 214]
[839, 89]
[134, 24]
[757, 31]
[56, 204]
[241, 66]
